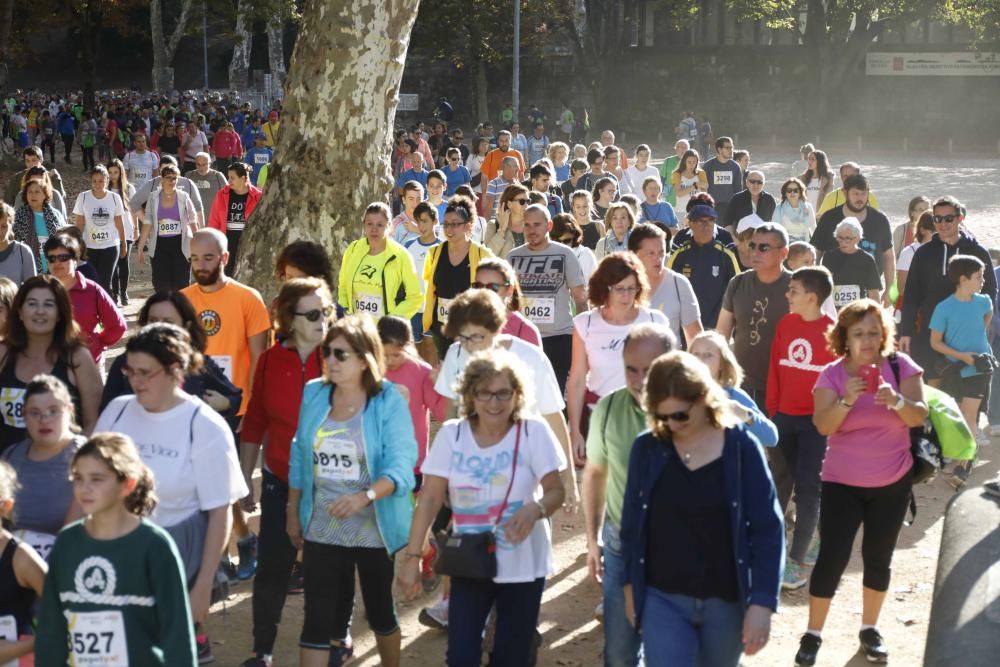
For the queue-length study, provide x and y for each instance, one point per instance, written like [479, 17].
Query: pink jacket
[101, 323]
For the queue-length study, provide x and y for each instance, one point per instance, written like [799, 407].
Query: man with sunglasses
[237, 328]
[617, 420]
[752, 201]
[927, 283]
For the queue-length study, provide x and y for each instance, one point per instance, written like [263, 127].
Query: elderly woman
[619, 221]
[865, 404]
[16, 260]
[36, 219]
[699, 495]
[855, 275]
[42, 175]
[495, 431]
[618, 292]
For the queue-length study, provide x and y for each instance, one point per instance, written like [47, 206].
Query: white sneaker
[435, 616]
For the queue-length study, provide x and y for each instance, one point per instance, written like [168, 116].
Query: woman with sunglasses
[700, 496]
[500, 278]
[101, 323]
[209, 383]
[350, 478]
[450, 268]
[303, 311]
[506, 232]
[565, 230]
[618, 292]
[189, 449]
[41, 338]
[496, 430]
[794, 212]
[167, 229]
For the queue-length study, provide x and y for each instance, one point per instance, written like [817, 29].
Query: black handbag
[474, 555]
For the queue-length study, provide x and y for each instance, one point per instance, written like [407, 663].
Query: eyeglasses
[39, 415]
[951, 217]
[141, 374]
[316, 313]
[485, 396]
[681, 416]
[522, 202]
[762, 247]
[620, 289]
[755, 181]
[342, 355]
[474, 338]
[790, 191]
[59, 259]
[493, 287]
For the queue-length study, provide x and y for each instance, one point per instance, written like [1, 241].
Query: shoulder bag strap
[503, 506]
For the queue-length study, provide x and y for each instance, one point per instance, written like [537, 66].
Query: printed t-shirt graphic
[368, 285]
[546, 278]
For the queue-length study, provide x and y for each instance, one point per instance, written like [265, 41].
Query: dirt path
[571, 635]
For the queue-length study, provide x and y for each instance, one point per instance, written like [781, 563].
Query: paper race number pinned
[845, 294]
[97, 638]
[443, 308]
[368, 303]
[40, 542]
[12, 406]
[336, 459]
[723, 178]
[541, 309]
[168, 227]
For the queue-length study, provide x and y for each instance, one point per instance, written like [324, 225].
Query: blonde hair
[483, 367]
[730, 371]
[619, 206]
[682, 376]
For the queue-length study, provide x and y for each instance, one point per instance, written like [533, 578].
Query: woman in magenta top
[496, 274]
[866, 415]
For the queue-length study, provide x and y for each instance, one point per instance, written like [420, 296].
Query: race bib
[368, 303]
[225, 362]
[97, 638]
[540, 310]
[169, 227]
[8, 632]
[723, 178]
[443, 308]
[12, 405]
[40, 542]
[336, 459]
[99, 235]
[845, 294]
[260, 158]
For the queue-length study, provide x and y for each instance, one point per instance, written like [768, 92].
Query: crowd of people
[523, 327]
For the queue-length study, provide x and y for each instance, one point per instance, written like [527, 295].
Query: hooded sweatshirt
[927, 282]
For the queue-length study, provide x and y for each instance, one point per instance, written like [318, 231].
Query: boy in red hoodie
[798, 354]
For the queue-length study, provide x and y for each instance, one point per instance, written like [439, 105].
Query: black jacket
[740, 206]
[927, 281]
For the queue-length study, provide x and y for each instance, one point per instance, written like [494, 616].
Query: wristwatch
[844, 403]
[371, 495]
[899, 404]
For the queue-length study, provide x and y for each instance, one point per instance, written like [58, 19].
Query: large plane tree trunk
[239, 64]
[164, 46]
[333, 151]
[276, 51]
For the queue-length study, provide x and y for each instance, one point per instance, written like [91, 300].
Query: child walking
[116, 592]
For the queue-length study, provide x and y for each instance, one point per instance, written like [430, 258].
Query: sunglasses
[680, 417]
[59, 259]
[493, 287]
[951, 217]
[342, 355]
[761, 247]
[755, 181]
[522, 202]
[316, 313]
[792, 190]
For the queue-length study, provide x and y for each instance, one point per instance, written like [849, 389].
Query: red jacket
[798, 354]
[220, 207]
[273, 412]
[227, 145]
[92, 307]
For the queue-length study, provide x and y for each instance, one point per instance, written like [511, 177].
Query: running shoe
[229, 568]
[959, 475]
[872, 646]
[340, 655]
[295, 584]
[429, 579]
[435, 616]
[204, 646]
[795, 576]
[257, 661]
[247, 549]
[812, 555]
[808, 649]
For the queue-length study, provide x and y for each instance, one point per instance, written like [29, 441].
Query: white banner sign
[933, 64]
[408, 102]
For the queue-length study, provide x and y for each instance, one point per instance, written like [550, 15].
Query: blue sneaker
[813, 553]
[247, 549]
[795, 576]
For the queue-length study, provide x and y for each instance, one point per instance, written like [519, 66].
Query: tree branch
[179, 29]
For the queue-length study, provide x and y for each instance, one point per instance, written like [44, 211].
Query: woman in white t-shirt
[499, 467]
[639, 171]
[100, 213]
[189, 448]
[618, 290]
[195, 142]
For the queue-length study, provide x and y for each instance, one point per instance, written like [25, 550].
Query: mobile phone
[870, 374]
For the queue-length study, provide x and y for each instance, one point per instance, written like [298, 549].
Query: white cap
[752, 221]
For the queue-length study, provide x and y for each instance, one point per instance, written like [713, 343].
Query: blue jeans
[622, 644]
[780, 471]
[682, 631]
[517, 615]
[803, 448]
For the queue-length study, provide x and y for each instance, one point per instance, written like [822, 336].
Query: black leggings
[843, 509]
[171, 269]
[104, 261]
[119, 279]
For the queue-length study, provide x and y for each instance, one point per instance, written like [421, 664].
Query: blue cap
[699, 211]
[260, 135]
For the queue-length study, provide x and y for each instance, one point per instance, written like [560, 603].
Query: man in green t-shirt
[667, 171]
[614, 424]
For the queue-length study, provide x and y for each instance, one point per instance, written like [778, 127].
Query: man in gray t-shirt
[550, 275]
[207, 180]
[137, 203]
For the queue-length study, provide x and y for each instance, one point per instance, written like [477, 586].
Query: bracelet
[409, 555]
[844, 403]
[541, 509]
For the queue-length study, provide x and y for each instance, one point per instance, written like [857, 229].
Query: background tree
[333, 152]
[164, 46]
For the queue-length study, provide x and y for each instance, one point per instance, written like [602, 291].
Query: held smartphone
[870, 374]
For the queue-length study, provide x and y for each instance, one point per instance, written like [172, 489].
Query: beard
[851, 208]
[207, 278]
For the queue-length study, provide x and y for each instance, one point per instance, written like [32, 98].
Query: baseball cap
[752, 221]
[699, 211]
[260, 135]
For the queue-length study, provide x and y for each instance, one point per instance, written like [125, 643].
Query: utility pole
[517, 60]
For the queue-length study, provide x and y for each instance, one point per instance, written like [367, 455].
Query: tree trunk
[90, 26]
[239, 65]
[276, 51]
[6, 21]
[482, 92]
[164, 48]
[333, 151]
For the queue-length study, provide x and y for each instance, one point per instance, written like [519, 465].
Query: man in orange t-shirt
[237, 330]
[490, 168]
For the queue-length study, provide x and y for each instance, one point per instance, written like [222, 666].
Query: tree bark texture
[164, 47]
[276, 51]
[333, 150]
[239, 64]
[6, 22]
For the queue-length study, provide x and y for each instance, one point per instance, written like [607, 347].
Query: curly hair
[485, 366]
[480, 307]
[853, 313]
[169, 344]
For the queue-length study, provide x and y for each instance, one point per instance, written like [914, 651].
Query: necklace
[687, 457]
